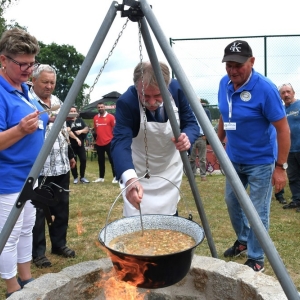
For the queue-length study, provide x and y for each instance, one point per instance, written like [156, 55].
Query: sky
[76, 23]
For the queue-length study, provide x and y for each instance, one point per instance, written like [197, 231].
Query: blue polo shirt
[293, 117]
[254, 107]
[17, 160]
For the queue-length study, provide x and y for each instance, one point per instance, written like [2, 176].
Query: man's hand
[134, 193]
[72, 163]
[79, 142]
[52, 118]
[183, 143]
[78, 132]
[279, 179]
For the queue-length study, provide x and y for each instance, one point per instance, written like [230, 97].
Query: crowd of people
[259, 121]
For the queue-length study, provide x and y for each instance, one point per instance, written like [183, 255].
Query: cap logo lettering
[235, 47]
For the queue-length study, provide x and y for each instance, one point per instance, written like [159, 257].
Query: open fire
[132, 270]
[114, 289]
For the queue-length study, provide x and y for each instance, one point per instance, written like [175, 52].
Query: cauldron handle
[123, 190]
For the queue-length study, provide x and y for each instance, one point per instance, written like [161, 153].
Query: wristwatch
[284, 166]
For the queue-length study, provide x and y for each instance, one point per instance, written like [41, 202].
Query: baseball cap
[237, 51]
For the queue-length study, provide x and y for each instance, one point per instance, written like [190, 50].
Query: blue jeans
[258, 178]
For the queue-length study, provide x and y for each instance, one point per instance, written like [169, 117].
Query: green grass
[91, 203]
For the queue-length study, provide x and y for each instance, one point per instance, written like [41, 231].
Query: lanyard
[31, 104]
[229, 99]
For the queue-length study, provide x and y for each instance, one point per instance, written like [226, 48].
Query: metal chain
[87, 99]
[143, 99]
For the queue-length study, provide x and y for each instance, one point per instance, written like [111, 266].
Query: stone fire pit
[209, 278]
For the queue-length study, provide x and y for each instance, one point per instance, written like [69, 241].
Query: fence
[277, 57]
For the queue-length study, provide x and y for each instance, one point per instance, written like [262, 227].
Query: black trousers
[58, 229]
[81, 154]
[101, 159]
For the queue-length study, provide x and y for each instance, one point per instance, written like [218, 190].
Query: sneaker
[236, 250]
[99, 180]
[75, 180]
[255, 265]
[83, 180]
[115, 180]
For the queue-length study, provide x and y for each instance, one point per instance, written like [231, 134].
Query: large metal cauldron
[151, 271]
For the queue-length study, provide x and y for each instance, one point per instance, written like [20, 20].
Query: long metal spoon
[55, 107]
[137, 190]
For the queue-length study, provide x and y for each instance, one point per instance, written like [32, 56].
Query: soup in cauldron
[152, 242]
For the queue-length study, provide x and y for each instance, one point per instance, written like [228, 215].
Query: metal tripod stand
[142, 10]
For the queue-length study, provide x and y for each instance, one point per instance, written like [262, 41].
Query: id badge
[229, 126]
[41, 124]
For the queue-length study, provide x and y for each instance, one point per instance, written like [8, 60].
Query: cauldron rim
[197, 242]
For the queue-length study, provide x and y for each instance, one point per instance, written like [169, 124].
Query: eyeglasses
[24, 66]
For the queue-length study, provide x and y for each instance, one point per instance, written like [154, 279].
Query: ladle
[137, 190]
[55, 107]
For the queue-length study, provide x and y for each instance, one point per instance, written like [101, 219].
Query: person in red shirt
[103, 125]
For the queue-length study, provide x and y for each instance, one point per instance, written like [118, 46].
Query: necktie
[158, 117]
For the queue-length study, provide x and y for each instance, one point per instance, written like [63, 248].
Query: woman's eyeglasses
[24, 66]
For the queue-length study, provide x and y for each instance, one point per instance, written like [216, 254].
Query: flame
[130, 269]
[79, 223]
[114, 289]
[122, 281]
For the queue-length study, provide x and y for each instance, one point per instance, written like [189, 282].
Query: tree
[204, 101]
[214, 110]
[4, 4]
[67, 62]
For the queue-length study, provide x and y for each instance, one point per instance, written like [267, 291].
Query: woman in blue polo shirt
[21, 138]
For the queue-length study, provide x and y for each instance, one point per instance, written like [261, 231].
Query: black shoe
[63, 251]
[42, 262]
[256, 266]
[293, 204]
[236, 250]
[281, 200]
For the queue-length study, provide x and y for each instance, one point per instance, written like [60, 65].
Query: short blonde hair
[17, 41]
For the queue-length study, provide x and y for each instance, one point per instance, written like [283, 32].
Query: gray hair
[17, 41]
[285, 84]
[43, 68]
[147, 71]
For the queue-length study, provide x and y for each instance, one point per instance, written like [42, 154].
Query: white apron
[160, 196]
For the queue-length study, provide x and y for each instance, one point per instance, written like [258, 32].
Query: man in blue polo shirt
[258, 141]
[292, 108]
